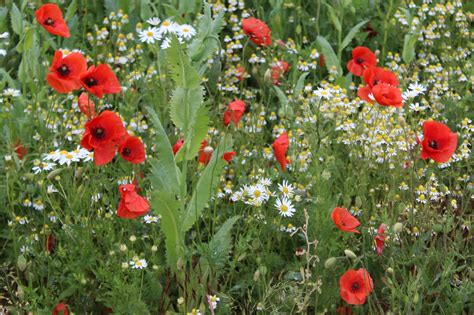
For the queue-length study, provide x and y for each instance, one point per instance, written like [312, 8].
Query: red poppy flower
[131, 204]
[49, 15]
[86, 105]
[228, 156]
[65, 73]
[100, 80]
[373, 76]
[205, 153]
[50, 243]
[132, 150]
[387, 95]
[344, 220]
[362, 57]
[439, 143]
[280, 146]
[234, 112]
[103, 134]
[61, 309]
[19, 149]
[257, 30]
[177, 146]
[278, 70]
[379, 239]
[355, 286]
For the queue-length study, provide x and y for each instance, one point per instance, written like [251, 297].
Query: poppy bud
[390, 270]
[256, 275]
[397, 227]
[268, 76]
[330, 262]
[350, 254]
[54, 173]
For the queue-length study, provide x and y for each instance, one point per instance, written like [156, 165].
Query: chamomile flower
[257, 194]
[153, 21]
[150, 219]
[168, 27]
[149, 35]
[286, 189]
[213, 299]
[186, 31]
[284, 206]
[42, 166]
[138, 263]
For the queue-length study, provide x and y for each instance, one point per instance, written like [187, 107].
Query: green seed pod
[54, 173]
[350, 254]
[330, 262]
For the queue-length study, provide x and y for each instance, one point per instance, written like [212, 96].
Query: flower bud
[397, 227]
[350, 254]
[330, 262]
[390, 270]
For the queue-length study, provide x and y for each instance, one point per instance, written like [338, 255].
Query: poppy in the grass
[257, 30]
[205, 153]
[65, 72]
[439, 142]
[131, 204]
[228, 156]
[86, 105]
[177, 146]
[379, 239]
[49, 15]
[279, 69]
[61, 309]
[133, 150]
[355, 286]
[387, 95]
[280, 146]
[50, 243]
[100, 80]
[362, 57]
[372, 77]
[103, 134]
[344, 220]
[19, 149]
[234, 112]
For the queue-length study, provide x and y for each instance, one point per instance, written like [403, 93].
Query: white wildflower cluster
[137, 263]
[162, 32]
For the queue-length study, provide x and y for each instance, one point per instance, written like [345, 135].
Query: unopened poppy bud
[154, 248]
[256, 275]
[133, 238]
[397, 227]
[79, 172]
[180, 300]
[358, 202]
[330, 262]
[54, 173]
[123, 247]
[180, 264]
[268, 76]
[124, 265]
[350, 254]
[390, 270]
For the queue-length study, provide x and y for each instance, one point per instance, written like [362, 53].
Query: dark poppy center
[49, 21]
[433, 144]
[90, 82]
[98, 133]
[355, 286]
[376, 82]
[63, 70]
[126, 151]
[359, 61]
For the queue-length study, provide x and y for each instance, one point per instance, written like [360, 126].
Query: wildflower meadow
[236, 157]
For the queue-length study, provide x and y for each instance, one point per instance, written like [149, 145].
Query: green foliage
[329, 54]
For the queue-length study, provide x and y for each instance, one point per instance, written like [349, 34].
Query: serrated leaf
[196, 134]
[284, 110]
[220, 244]
[181, 70]
[205, 188]
[16, 19]
[329, 54]
[164, 175]
[184, 105]
[206, 41]
[350, 35]
[167, 206]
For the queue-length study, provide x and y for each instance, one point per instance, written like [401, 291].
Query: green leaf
[333, 17]
[329, 54]
[145, 10]
[205, 188]
[182, 72]
[409, 43]
[220, 245]
[167, 207]
[196, 134]
[181, 99]
[300, 84]
[206, 41]
[351, 34]
[28, 39]
[284, 110]
[164, 175]
[71, 10]
[16, 20]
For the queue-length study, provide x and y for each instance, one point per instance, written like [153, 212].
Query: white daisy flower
[42, 166]
[285, 207]
[186, 31]
[138, 264]
[150, 35]
[153, 21]
[168, 27]
[166, 43]
[286, 189]
[150, 219]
